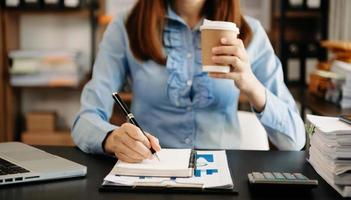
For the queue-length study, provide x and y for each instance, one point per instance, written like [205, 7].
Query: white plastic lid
[220, 25]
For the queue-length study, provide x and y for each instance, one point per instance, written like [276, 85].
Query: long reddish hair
[147, 19]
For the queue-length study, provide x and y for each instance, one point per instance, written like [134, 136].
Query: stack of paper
[330, 152]
[45, 68]
[211, 172]
[343, 69]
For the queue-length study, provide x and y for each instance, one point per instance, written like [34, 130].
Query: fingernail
[224, 40]
[213, 57]
[214, 49]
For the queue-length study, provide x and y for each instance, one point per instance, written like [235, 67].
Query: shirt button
[189, 82]
[187, 140]
[189, 55]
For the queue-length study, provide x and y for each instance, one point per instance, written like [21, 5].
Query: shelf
[10, 96]
[299, 14]
[61, 138]
[58, 86]
[3, 136]
[70, 12]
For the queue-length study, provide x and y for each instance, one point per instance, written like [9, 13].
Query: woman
[157, 46]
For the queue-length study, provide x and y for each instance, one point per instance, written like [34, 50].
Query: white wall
[114, 7]
[339, 20]
[259, 9]
[294, 69]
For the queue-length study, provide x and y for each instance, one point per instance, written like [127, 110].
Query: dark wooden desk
[317, 105]
[241, 163]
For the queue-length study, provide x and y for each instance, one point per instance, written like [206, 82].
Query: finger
[154, 142]
[232, 76]
[135, 147]
[227, 60]
[234, 62]
[230, 50]
[130, 152]
[123, 157]
[135, 132]
[232, 42]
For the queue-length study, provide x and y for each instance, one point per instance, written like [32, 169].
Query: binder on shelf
[313, 4]
[52, 3]
[72, 3]
[12, 3]
[296, 3]
[31, 3]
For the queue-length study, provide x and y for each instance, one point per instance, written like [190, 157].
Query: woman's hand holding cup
[232, 53]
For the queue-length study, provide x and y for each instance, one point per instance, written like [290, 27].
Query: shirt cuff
[104, 141]
[89, 133]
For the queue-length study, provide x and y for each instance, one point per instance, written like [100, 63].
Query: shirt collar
[174, 16]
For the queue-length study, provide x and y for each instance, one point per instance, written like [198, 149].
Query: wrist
[257, 96]
[251, 86]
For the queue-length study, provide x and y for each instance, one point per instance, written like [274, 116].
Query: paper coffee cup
[211, 34]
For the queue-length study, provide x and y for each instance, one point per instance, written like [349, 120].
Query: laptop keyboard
[7, 167]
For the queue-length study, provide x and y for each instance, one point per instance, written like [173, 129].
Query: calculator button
[257, 175]
[268, 175]
[289, 176]
[300, 176]
[278, 175]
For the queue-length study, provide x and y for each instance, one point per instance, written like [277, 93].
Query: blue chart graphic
[199, 172]
[203, 160]
[207, 157]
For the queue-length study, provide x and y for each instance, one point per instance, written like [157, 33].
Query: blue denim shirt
[178, 103]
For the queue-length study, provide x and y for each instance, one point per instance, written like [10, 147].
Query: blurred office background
[47, 48]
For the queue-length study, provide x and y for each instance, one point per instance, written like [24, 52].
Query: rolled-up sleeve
[110, 69]
[280, 116]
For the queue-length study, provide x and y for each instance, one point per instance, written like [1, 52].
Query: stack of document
[330, 152]
[211, 172]
[343, 69]
[45, 68]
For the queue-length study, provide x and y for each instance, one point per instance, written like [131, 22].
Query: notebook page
[212, 171]
[172, 159]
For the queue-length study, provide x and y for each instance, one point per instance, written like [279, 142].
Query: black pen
[131, 117]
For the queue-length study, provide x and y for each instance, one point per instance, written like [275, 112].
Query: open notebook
[211, 175]
[172, 163]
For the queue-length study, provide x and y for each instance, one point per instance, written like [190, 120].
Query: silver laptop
[23, 163]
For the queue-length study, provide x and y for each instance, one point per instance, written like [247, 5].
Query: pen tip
[157, 157]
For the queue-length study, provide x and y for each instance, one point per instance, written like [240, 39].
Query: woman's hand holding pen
[232, 52]
[129, 144]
